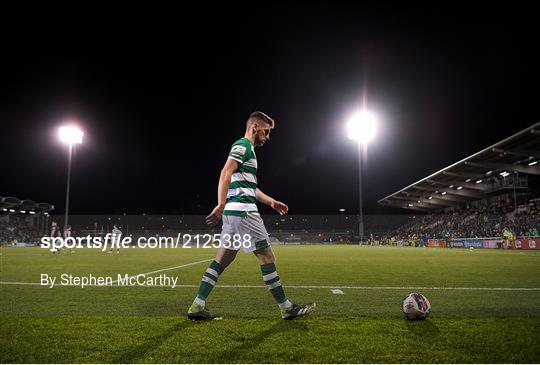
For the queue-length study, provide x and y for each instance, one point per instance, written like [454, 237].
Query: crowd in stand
[18, 230]
[487, 220]
[527, 222]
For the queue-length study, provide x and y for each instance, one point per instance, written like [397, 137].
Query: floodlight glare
[362, 126]
[70, 135]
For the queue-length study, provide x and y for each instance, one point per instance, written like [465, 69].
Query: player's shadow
[250, 343]
[423, 329]
[136, 354]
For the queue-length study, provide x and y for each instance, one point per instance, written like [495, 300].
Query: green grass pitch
[471, 321]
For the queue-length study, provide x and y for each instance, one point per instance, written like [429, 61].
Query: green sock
[208, 281]
[271, 279]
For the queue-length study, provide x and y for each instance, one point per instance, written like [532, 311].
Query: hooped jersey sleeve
[240, 151]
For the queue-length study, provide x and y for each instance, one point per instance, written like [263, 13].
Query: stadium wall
[524, 243]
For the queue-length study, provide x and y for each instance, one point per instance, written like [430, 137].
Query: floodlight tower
[69, 135]
[361, 127]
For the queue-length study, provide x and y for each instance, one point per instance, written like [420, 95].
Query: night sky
[162, 93]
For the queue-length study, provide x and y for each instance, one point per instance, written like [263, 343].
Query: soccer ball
[416, 306]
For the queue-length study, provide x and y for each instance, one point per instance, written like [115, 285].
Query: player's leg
[271, 278]
[265, 255]
[223, 258]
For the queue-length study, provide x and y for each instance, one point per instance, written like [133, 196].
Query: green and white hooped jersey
[241, 197]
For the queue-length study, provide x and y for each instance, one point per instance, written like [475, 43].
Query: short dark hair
[258, 116]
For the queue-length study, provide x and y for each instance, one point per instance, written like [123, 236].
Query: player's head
[259, 125]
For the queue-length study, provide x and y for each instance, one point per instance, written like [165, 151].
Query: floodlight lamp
[362, 126]
[70, 134]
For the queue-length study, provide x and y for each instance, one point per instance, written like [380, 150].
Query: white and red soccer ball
[416, 306]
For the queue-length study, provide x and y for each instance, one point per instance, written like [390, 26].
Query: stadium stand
[483, 220]
[22, 222]
[493, 193]
[509, 165]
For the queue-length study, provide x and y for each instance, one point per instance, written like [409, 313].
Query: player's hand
[215, 216]
[280, 207]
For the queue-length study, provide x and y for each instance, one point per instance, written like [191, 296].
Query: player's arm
[223, 186]
[278, 206]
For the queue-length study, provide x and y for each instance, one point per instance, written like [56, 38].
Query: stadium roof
[15, 205]
[498, 167]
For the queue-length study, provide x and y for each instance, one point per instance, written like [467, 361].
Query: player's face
[262, 135]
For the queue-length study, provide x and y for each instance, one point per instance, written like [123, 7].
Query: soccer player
[55, 232]
[237, 198]
[67, 233]
[116, 234]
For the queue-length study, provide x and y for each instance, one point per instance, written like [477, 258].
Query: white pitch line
[403, 287]
[116, 281]
[302, 287]
[167, 269]
[370, 287]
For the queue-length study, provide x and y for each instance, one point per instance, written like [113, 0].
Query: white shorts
[246, 232]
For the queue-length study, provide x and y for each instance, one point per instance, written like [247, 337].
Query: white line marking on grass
[374, 287]
[115, 281]
[167, 269]
[337, 291]
[304, 287]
